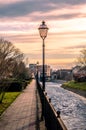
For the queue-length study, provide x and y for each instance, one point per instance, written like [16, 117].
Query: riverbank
[78, 88]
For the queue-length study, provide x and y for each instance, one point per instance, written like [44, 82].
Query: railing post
[53, 120]
[42, 100]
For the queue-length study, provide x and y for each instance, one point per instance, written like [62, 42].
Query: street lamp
[43, 29]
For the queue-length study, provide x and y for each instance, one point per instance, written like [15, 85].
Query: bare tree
[82, 58]
[80, 73]
[8, 56]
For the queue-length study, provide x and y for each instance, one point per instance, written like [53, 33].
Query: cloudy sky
[66, 19]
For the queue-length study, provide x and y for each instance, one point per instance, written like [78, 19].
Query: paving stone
[22, 113]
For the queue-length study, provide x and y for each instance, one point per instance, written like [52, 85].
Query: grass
[76, 85]
[8, 99]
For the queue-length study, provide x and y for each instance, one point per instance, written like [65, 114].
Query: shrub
[79, 77]
[15, 86]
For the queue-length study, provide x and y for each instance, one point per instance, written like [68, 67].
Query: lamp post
[37, 70]
[43, 29]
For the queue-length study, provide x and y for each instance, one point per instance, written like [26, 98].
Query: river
[71, 105]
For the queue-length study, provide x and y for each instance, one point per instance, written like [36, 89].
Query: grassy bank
[76, 85]
[8, 99]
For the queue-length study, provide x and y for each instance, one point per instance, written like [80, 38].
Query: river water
[71, 105]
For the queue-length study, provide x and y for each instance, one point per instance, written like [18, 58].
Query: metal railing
[52, 118]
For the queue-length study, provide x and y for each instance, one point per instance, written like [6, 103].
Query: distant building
[54, 75]
[47, 70]
[34, 68]
[63, 74]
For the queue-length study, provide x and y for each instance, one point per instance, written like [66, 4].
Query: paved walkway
[23, 112]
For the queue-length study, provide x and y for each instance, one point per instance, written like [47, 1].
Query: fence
[52, 118]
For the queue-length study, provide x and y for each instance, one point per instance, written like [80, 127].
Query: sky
[66, 20]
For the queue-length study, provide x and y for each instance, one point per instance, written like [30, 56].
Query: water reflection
[72, 106]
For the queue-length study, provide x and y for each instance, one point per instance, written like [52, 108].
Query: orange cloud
[66, 35]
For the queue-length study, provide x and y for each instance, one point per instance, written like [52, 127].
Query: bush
[15, 86]
[24, 84]
[79, 77]
[18, 85]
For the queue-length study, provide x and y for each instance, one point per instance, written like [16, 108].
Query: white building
[47, 70]
[33, 68]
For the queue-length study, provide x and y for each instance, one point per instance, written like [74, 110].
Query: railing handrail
[50, 108]
[56, 113]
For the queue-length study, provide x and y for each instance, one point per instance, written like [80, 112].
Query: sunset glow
[20, 19]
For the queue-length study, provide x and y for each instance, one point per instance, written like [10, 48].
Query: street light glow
[43, 29]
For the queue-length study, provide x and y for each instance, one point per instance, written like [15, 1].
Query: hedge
[13, 85]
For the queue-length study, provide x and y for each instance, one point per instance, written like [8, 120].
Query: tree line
[11, 61]
[11, 65]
